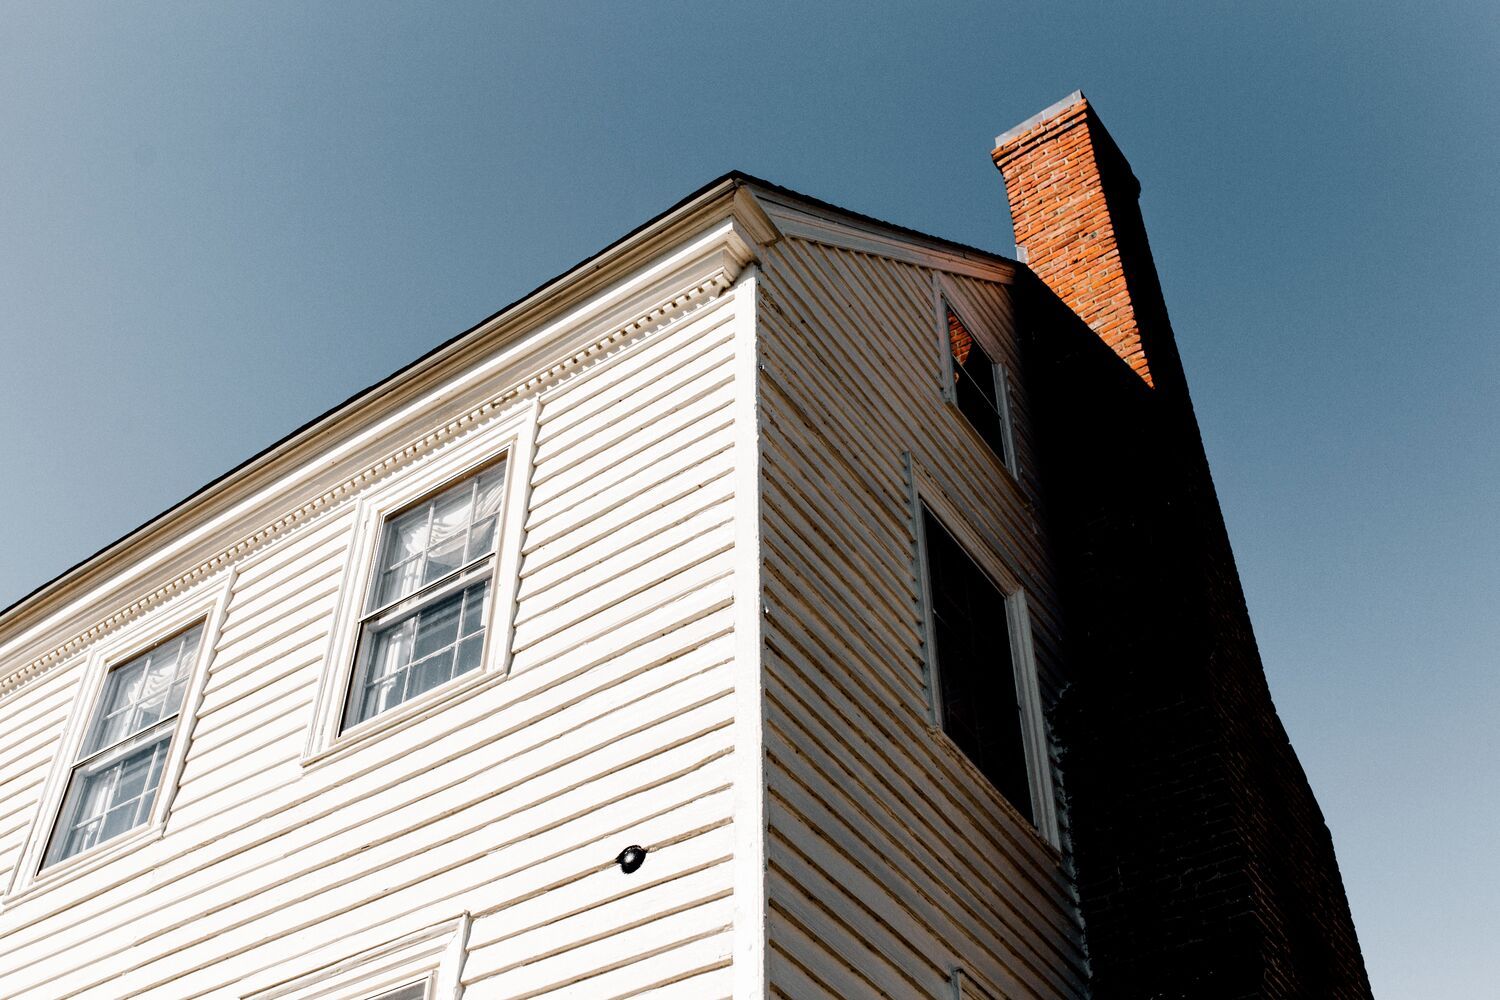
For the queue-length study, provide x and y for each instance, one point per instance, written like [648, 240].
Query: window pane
[489, 492]
[446, 533]
[392, 649]
[406, 538]
[381, 695]
[481, 539]
[452, 513]
[468, 654]
[403, 578]
[437, 627]
[976, 672]
[419, 652]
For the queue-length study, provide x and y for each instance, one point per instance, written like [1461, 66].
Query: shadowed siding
[890, 859]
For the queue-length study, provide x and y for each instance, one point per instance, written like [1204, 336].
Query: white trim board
[799, 220]
[574, 319]
[433, 955]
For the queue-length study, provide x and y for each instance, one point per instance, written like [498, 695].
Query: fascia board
[816, 223]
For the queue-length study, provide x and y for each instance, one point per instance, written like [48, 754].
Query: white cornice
[687, 259]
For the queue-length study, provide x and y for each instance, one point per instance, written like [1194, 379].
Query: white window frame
[201, 607]
[510, 439]
[433, 956]
[926, 492]
[944, 299]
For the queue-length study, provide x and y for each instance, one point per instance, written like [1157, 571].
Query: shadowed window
[975, 666]
[978, 390]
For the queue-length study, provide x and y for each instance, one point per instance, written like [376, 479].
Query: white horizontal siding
[32, 725]
[614, 727]
[891, 860]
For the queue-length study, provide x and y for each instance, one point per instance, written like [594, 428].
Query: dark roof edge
[730, 180]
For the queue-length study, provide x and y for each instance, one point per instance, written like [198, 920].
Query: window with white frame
[426, 964]
[424, 617]
[977, 385]
[978, 701]
[113, 783]
[981, 674]
[428, 609]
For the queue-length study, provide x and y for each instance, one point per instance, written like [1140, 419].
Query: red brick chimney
[1075, 205]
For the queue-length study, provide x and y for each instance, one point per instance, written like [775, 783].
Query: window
[113, 784]
[427, 610]
[979, 707]
[978, 387]
[416, 991]
[424, 620]
[425, 964]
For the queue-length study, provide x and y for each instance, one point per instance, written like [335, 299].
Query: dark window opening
[976, 387]
[975, 665]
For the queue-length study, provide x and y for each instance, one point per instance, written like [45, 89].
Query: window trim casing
[925, 492]
[435, 954]
[944, 298]
[205, 607]
[511, 439]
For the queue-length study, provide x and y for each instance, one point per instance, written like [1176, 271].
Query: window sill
[981, 781]
[402, 717]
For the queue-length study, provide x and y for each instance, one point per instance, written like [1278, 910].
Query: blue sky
[219, 220]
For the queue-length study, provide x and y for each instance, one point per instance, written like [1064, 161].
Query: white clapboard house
[683, 630]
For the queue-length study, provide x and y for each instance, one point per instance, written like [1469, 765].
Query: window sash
[989, 400]
[488, 486]
[109, 767]
[978, 695]
[383, 620]
[982, 415]
[434, 591]
[978, 388]
[183, 648]
[110, 754]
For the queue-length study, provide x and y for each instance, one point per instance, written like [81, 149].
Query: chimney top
[1056, 108]
[1075, 204]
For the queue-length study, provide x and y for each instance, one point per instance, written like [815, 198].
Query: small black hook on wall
[631, 858]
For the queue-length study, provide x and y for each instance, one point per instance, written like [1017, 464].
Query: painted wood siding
[614, 727]
[891, 861]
